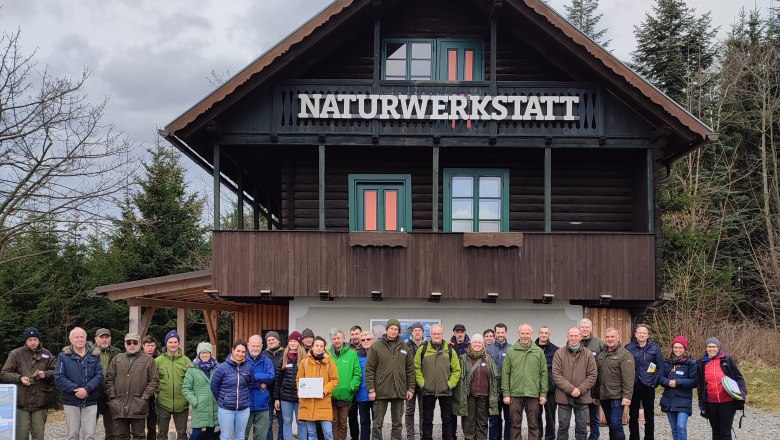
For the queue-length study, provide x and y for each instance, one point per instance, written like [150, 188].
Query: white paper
[310, 388]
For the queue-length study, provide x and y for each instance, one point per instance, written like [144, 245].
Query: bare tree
[59, 160]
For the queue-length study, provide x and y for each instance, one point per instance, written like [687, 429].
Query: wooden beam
[650, 191]
[240, 207]
[211, 318]
[322, 185]
[146, 321]
[181, 328]
[548, 189]
[216, 187]
[170, 304]
[435, 189]
[134, 319]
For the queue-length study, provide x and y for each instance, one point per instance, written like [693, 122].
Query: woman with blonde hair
[285, 388]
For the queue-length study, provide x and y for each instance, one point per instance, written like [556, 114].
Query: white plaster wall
[321, 316]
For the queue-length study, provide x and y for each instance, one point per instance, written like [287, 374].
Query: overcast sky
[154, 58]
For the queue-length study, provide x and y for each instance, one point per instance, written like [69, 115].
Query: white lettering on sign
[438, 107]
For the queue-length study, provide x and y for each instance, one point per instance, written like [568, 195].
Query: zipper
[238, 379]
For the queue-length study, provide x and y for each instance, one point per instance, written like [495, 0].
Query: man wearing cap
[78, 376]
[131, 380]
[32, 367]
[437, 370]
[171, 404]
[524, 383]
[260, 395]
[417, 335]
[107, 353]
[274, 350]
[389, 360]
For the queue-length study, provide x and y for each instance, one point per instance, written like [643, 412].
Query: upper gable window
[438, 59]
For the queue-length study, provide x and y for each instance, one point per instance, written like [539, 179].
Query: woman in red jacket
[715, 402]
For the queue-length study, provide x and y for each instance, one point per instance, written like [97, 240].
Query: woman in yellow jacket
[318, 363]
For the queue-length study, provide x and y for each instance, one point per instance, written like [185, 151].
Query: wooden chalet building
[468, 161]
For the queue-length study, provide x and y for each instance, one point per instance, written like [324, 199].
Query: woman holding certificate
[721, 389]
[317, 378]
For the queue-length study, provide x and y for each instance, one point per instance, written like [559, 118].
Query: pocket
[138, 407]
[115, 406]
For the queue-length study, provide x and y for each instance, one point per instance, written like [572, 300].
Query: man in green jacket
[389, 379]
[350, 376]
[170, 402]
[615, 384]
[524, 383]
[437, 369]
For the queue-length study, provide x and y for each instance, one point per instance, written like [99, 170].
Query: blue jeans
[278, 415]
[678, 420]
[613, 411]
[494, 423]
[311, 428]
[290, 411]
[232, 423]
[595, 421]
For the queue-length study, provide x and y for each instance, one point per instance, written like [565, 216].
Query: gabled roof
[701, 131]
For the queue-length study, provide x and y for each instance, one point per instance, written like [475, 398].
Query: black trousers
[721, 417]
[546, 421]
[354, 424]
[645, 396]
[445, 406]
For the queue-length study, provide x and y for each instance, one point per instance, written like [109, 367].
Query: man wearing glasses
[130, 382]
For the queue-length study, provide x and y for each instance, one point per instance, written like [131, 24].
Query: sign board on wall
[377, 327]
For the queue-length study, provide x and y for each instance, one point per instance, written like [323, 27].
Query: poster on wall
[378, 327]
[7, 411]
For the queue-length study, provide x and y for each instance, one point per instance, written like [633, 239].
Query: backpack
[424, 348]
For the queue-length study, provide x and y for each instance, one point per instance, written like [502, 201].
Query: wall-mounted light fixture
[325, 295]
[265, 295]
[490, 298]
[376, 295]
[605, 299]
[435, 297]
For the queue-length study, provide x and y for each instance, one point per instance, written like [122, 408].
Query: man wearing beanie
[131, 374]
[274, 350]
[170, 402]
[389, 359]
[31, 367]
[307, 339]
[417, 334]
[107, 353]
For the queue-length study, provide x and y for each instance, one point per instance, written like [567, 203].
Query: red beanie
[682, 340]
[295, 336]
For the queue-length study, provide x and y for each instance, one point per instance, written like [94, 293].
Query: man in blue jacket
[264, 375]
[647, 360]
[78, 376]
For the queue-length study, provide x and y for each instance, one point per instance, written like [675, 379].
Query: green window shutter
[380, 202]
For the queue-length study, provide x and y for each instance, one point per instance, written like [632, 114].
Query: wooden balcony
[412, 265]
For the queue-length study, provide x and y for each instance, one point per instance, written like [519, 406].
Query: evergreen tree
[673, 47]
[582, 13]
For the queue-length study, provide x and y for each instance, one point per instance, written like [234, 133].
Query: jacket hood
[519, 346]
[177, 353]
[465, 341]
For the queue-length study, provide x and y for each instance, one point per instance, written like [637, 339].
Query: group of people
[484, 380]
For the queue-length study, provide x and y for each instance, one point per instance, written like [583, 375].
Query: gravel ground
[757, 425]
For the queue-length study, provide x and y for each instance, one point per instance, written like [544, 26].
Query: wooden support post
[322, 185]
[146, 321]
[548, 189]
[217, 184]
[240, 205]
[650, 191]
[181, 328]
[435, 189]
[211, 318]
[134, 319]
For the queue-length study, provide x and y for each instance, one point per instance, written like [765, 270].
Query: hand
[626, 402]
[596, 402]
[409, 395]
[41, 375]
[507, 400]
[372, 396]
[542, 400]
[576, 392]
[81, 393]
[25, 380]
[673, 383]
[263, 387]
[278, 405]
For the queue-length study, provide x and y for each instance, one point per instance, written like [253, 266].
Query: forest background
[79, 210]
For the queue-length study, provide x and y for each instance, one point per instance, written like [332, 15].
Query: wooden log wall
[258, 318]
[604, 318]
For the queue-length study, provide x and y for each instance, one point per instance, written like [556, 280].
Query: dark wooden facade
[584, 193]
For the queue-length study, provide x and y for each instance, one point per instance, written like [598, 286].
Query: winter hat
[477, 337]
[712, 341]
[307, 333]
[171, 334]
[294, 336]
[102, 331]
[272, 334]
[31, 332]
[391, 322]
[132, 336]
[682, 340]
[204, 346]
[416, 325]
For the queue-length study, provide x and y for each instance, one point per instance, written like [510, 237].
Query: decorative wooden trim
[389, 239]
[493, 239]
[194, 305]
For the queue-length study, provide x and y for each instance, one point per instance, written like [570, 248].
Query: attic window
[409, 60]
[439, 59]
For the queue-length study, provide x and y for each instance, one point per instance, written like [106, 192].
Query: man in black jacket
[550, 407]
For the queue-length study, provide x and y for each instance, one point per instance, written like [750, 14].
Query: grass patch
[762, 384]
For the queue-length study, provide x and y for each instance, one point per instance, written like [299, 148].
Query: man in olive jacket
[524, 383]
[31, 367]
[389, 359]
[130, 382]
[170, 402]
[437, 369]
[574, 374]
[615, 383]
[107, 352]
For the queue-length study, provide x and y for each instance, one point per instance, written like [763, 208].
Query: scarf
[318, 357]
[475, 354]
[574, 348]
[679, 359]
[292, 356]
[206, 366]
